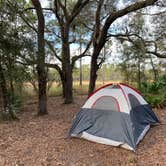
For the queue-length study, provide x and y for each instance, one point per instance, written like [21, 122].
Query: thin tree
[42, 74]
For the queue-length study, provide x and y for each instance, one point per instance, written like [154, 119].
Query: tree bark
[4, 90]
[93, 75]
[6, 103]
[41, 71]
[94, 69]
[63, 88]
[153, 68]
[11, 82]
[66, 66]
[80, 65]
[139, 75]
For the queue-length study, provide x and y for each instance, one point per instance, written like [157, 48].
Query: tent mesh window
[113, 87]
[134, 102]
[106, 103]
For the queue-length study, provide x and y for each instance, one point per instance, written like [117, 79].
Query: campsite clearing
[42, 141]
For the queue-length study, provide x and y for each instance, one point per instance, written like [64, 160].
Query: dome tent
[115, 114]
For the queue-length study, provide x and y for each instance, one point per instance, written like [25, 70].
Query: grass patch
[55, 90]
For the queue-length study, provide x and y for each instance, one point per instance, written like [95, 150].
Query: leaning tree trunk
[66, 66]
[93, 74]
[41, 71]
[100, 33]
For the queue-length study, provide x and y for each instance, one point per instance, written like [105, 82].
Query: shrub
[15, 104]
[155, 92]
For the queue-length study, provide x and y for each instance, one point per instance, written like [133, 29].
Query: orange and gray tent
[115, 114]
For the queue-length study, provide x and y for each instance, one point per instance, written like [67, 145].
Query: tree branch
[86, 26]
[87, 46]
[83, 54]
[32, 8]
[97, 21]
[116, 14]
[153, 14]
[156, 54]
[27, 22]
[77, 8]
[146, 43]
[64, 9]
[55, 66]
[60, 20]
[53, 50]
[75, 58]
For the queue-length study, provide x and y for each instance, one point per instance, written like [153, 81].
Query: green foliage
[15, 46]
[15, 102]
[15, 105]
[155, 92]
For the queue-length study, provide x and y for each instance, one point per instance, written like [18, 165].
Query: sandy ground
[41, 141]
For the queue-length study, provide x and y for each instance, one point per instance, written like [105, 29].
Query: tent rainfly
[115, 114]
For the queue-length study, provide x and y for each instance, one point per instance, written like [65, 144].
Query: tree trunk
[41, 71]
[93, 74]
[153, 68]
[63, 88]
[11, 68]
[62, 81]
[94, 65]
[139, 75]
[80, 64]
[68, 87]
[67, 82]
[4, 90]
[6, 103]
[62, 77]
[66, 66]
[81, 72]
[42, 84]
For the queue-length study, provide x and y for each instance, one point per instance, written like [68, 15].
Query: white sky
[44, 3]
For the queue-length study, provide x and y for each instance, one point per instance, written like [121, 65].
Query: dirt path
[41, 141]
